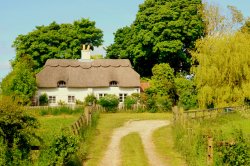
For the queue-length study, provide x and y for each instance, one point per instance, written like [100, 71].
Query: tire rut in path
[145, 128]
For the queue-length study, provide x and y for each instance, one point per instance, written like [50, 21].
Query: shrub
[163, 103]
[62, 148]
[186, 92]
[109, 102]
[90, 100]
[43, 99]
[17, 131]
[79, 102]
[130, 101]
[62, 103]
[236, 152]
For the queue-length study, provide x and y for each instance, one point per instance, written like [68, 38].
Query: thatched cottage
[69, 80]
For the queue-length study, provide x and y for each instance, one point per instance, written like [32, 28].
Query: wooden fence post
[175, 113]
[209, 151]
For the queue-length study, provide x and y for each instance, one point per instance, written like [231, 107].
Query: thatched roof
[97, 73]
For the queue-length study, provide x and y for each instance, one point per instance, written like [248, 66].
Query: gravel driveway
[145, 129]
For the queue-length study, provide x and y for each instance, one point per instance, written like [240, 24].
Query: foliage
[17, 131]
[222, 73]
[90, 99]
[57, 110]
[61, 103]
[235, 152]
[230, 141]
[79, 102]
[87, 134]
[162, 32]
[109, 102]
[20, 83]
[58, 41]
[246, 27]
[43, 99]
[161, 94]
[129, 101]
[60, 151]
[186, 91]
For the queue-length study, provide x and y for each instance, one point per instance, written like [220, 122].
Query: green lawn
[110, 121]
[50, 126]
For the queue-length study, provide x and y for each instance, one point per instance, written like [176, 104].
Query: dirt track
[145, 128]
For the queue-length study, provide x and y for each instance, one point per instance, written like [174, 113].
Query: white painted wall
[80, 93]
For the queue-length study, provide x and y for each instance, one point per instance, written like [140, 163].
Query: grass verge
[132, 151]
[164, 144]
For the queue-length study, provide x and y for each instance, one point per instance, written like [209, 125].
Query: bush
[90, 100]
[62, 148]
[186, 92]
[130, 101]
[236, 152]
[79, 102]
[163, 103]
[17, 131]
[109, 102]
[61, 103]
[43, 99]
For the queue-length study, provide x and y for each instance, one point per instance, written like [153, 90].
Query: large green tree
[60, 41]
[20, 83]
[163, 31]
[161, 94]
[222, 73]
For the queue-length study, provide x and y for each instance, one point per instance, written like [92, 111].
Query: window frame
[52, 99]
[122, 97]
[71, 99]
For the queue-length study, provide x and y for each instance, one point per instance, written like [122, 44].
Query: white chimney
[85, 52]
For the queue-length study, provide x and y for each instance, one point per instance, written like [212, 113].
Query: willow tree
[222, 73]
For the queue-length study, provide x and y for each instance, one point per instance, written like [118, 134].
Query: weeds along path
[145, 128]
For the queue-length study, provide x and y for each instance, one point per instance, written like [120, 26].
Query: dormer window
[113, 83]
[61, 84]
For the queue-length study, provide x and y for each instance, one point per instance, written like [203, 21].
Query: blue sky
[20, 17]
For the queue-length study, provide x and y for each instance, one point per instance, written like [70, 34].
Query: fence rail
[179, 114]
[83, 120]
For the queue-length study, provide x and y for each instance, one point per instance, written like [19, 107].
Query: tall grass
[42, 111]
[191, 138]
[164, 145]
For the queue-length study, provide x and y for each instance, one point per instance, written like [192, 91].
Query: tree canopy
[222, 75]
[20, 83]
[61, 41]
[163, 31]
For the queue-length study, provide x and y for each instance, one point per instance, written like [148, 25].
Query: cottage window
[122, 97]
[52, 99]
[71, 99]
[102, 95]
[61, 84]
[113, 83]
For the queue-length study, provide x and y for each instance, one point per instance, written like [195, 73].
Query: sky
[20, 17]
